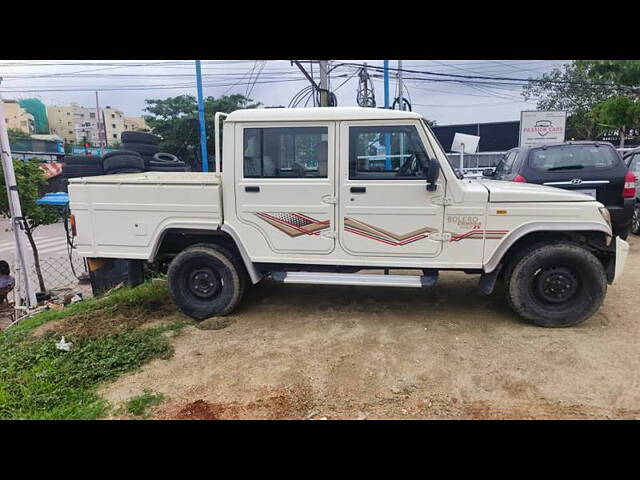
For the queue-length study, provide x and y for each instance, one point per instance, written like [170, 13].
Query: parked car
[593, 168]
[302, 199]
[632, 159]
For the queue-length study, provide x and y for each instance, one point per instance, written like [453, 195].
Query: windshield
[573, 157]
[426, 124]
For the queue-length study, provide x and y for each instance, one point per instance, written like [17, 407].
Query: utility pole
[324, 83]
[16, 210]
[102, 133]
[386, 84]
[387, 137]
[203, 132]
[400, 86]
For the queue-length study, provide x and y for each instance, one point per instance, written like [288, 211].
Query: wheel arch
[594, 234]
[172, 239]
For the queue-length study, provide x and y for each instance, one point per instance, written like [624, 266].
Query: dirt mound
[286, 403]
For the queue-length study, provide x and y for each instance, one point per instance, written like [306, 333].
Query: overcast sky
[125, 84]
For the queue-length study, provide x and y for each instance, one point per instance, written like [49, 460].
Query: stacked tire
[122, 161]
[81, 166]
[146, 145]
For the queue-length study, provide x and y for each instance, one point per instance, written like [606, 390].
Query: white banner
[538, 128]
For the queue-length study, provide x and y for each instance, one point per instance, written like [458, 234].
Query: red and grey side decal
[385, 236]
[294, 224]
[478, 234]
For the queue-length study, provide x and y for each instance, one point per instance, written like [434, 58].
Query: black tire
[141, 148]
[152, 168]
[119, 153]
[123, 161]
[82, 159]
[556, 285]
[164, 157]
[117, 171]
[74, 171]
[139, 137]
[635, 220]
[147, 159]
[206, 281]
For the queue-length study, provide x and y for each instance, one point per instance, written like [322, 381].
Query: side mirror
[432, 173]
[488, 172]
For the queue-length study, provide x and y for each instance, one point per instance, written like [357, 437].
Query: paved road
[50, 239]
[52, 247]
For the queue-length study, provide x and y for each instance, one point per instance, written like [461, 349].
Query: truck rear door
[284, 186]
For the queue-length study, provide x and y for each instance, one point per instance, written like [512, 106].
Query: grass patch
[39, 381]
[132, 302]
[139, 404]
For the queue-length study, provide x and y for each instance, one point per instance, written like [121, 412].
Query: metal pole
[324, 83]
[387, 137]
[203, 132]
[386, 84]
[101, 133]
[16, 211]
[462, 158]
[400, 86]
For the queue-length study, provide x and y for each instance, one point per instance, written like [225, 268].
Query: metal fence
[57, 273]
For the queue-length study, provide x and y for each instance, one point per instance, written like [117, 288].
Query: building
[17, 117]
[136, 124]
[79, 125]
[62, 122]
[114, 124]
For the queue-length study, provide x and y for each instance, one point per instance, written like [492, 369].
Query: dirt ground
[353, 352]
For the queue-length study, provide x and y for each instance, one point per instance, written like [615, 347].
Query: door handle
[252, 188]
[358, 189]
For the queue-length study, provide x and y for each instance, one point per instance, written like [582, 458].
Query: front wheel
[205, 281]
[557, 285]
[635, 220]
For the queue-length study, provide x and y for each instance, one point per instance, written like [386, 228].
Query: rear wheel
[556, 285]
[635, 220]
[206, 281]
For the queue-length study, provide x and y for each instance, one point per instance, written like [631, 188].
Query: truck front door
[385, 208]
[285, 188]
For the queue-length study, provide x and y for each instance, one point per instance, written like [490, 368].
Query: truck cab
[320, 195]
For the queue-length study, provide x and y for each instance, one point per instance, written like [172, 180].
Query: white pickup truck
[319, 195]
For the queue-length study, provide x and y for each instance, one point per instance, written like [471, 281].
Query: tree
[624, 74]
[175, 119]
[31, 180]
[16, 134]
[570, 89]
[620, 113]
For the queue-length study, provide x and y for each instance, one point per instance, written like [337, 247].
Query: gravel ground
[355, 352]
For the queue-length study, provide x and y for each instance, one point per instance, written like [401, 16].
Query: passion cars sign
[537, 128]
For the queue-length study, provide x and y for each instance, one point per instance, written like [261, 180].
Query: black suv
[632, 159]
[594, 168]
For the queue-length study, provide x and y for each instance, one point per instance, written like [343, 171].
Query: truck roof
[318, 113]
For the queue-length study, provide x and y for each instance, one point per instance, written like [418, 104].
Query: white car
[299, 199]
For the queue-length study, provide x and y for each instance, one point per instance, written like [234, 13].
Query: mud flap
[488, 280]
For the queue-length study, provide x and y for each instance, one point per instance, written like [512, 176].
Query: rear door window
[574, 157]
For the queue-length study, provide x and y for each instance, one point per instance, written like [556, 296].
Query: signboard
[538, 128]
[79, 150]
[465, 143]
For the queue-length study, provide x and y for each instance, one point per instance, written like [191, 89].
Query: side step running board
[321, 278]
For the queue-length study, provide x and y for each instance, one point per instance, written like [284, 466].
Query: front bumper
[622, 251]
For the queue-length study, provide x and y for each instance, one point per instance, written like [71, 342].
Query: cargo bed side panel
[125, 219]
